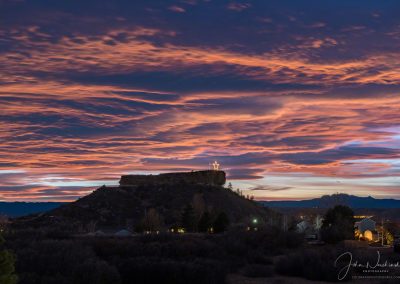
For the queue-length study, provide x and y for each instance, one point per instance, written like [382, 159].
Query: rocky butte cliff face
[209, 177]
[168, 194]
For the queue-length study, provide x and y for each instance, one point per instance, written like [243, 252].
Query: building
[303, 226]
[310, 228]
[366, 228]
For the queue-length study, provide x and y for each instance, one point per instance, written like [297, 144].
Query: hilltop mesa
[210, 177]
[166, 195]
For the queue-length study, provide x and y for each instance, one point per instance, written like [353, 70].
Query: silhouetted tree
[239, 192]
[198, 206]
[221, 223]
[91, 226]
[152, 221]
[338, 224]
[204, 223]
[393, 228]
[188, 218]
[7, 268]
[3, 222]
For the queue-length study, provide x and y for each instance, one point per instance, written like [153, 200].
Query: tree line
[195, 217]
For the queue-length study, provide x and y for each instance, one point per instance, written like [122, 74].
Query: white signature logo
[347, 258]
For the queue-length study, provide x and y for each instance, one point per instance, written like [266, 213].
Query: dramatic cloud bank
[295, 99]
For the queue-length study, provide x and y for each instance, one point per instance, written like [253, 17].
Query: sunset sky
[295, 99]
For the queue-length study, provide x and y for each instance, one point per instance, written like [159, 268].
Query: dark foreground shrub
[268, 240]
[258, 270]
[311, 264]
[257, 257]
[62, 261]
[156, 270]
[95, 271]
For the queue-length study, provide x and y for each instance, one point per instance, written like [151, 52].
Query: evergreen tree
[152, 221]
[221, 223]
[7, 268]
[204, 222]
[198, 205]
[338, 224]
[188, 218]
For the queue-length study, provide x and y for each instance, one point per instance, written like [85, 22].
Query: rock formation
[168, 194]
[210, 177]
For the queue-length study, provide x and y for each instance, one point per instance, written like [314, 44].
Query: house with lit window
[366, 228]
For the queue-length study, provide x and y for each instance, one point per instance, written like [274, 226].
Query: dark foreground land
[268, 255]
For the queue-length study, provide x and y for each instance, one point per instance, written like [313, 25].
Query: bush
[7, 275]
[221, 223]
[312, 264]
[267, 240]
[258, 258]
[155, 258]
[7, 268]
[56, 261]
[258, 270]
[157, 270]
[95, 272]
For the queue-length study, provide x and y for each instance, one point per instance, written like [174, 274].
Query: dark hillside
[126, 206]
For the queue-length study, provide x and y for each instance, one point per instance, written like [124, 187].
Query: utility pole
[382, 229]
[285, 223]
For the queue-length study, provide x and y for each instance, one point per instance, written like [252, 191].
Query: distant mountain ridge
[327, 201]
[18, 209]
